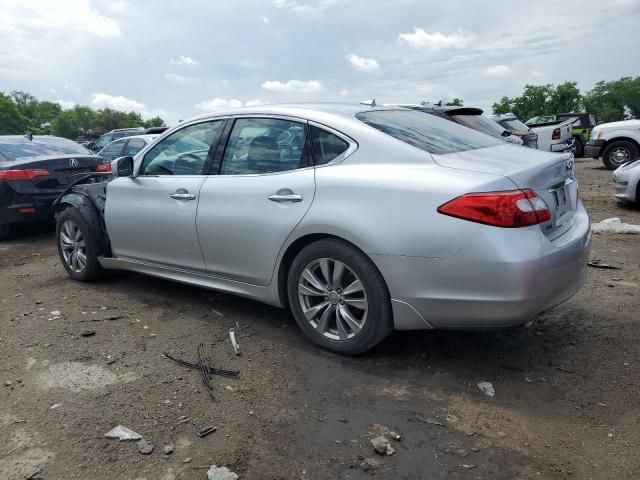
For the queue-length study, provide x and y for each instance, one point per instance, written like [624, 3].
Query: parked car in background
[360, 219]
[109, 137]
[128, 146]
[33, 172]
[617, 143]
[474, 119]
[582, 125]
[627, 182]
[154, 130]
[551, 138]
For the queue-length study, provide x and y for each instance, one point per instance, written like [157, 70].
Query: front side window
[326, 145]
[134, 146]
[184, 152]
[426, 132]
[113, 150]
[264, 145]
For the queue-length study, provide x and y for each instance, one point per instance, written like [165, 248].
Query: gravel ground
[566, 403]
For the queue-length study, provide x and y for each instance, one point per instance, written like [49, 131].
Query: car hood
[630, 124]
[526, 167]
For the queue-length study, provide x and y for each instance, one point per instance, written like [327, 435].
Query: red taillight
[15, 175]
[509, 209]
[556, 134]
[104, 167]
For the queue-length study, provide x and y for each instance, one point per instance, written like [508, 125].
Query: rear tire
[5, 232]
[346, 300]
[78, 246]
[579, 143]
[619, 153]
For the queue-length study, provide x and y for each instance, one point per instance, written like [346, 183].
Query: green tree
[154, 122]
[566, 98]
[454, 102]
[11, 120]
[611, 101]
[66, 125]
[85, 118]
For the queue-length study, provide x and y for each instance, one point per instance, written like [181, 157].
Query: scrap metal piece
[214, 371]
[203, 363]
[204, 431]
[232, 336]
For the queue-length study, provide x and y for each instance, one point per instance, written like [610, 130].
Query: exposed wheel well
[290, 254]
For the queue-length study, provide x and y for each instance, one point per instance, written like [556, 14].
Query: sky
[179, 59]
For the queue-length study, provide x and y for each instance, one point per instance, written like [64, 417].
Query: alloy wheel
[333, 299]
[73, 246]
[620, 156]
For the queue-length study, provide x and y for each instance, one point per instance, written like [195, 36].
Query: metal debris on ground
[221, 473]
[601, 264]
[145, 447]
[234, 341]
[87, 333]
[487, 388]
[382, 446]
[203, 362]
[214, 371]
[34, 476]
[123, 433]
[204, 431]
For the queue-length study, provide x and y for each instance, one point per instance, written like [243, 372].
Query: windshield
[515, 125]
[481, 124]
[426, 132]
[20, 149]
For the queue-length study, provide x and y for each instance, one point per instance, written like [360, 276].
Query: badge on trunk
[73, 162]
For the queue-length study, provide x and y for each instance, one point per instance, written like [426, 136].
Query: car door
[257, 195]
[151, 217]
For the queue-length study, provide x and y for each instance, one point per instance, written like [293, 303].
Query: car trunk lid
[62, 170]
[550, 175]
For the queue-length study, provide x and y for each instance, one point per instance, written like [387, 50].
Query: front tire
[339, 298]
[78, 246]
[579, 144]
[619, 153]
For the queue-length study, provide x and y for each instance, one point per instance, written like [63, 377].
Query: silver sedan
[627, 182]
[359, 219]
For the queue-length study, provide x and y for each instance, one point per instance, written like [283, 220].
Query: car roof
[311, 111]
[35, 138]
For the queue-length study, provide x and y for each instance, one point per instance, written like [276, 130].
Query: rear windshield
[20, 149]
[482, 124]
[426, 132]
[515, 125]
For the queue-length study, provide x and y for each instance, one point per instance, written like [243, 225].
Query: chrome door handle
[183, 196]
[291, 197]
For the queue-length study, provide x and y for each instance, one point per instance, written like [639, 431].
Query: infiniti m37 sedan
[359, 219]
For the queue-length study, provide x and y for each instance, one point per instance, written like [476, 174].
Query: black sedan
[34, 170]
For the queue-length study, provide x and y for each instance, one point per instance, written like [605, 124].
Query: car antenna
[371, 102]
[29, 136]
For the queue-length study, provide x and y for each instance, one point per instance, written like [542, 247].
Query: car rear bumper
[593, 148]
[568, 146]
[27, 209]
[625, 189]
[502, 278]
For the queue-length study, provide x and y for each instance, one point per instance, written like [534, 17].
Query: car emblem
[73, 162]
[569, 165]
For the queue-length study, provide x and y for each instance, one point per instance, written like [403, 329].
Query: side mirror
[122, 167]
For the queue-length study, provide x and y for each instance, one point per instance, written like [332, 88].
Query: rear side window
[134, 146]
[426, 132]
[326, 145]
[112, 150]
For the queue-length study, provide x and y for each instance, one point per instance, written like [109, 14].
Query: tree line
[21, 112]
[609, 101]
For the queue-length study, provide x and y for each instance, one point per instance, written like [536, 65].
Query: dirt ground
[566, 404]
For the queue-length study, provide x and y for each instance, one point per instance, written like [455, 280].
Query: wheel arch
[295, 246]
[619, 139]
[89, 212]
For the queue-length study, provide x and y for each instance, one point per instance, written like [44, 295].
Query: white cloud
[304, 8]
[311, 86]
[176, 78]
[497, 71]
[265, 19]
[219, 104]
[102, 100]
[216, 104]
[184, 60]
[71, 87]
[65, 104]
[344, 92]
[536, 73]
[363, 64]
[64, 15]
[255, 103]
[434, 41]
